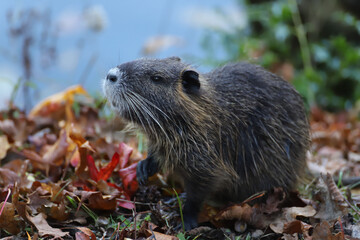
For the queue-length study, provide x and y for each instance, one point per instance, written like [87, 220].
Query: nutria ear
[174, 58]
[190, 81]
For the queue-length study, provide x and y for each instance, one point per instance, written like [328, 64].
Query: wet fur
[244, 131]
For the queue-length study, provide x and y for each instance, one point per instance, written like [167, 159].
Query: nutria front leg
[145, 169]
[195, 196]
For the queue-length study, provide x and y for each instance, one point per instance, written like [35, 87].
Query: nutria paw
[190, 221]
[145, 169]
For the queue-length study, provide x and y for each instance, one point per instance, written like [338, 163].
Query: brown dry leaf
[239, 212]
[56, 153]
[81, 236]
[102, 147]
[53, 156]
[294, 212]
[4, 146]
[15, 165]
[37, 201]
[17, 130]
[297, 227]
[330, 206]
[8, 220]
[59, 212]
[96, 200]
[273, 201]
[333, 189]
[84, 233]
[8, 177]
[39, 221]
[103, 187]
[159, 236]
[289, 215]
[322, 231]
[245, 213]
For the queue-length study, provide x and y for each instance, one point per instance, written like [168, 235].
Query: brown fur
[230, 133]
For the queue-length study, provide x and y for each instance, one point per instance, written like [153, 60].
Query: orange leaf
[56, 103]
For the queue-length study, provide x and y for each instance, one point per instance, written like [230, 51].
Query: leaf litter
[66, 173]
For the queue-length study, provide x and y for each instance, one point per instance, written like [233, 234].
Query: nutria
[230, 133]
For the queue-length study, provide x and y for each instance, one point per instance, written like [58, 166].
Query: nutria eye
[156, 78]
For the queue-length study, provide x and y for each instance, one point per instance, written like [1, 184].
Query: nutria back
[230, 133]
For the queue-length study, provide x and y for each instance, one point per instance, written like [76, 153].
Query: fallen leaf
[17, 129]
[75, 159]
[4, 146]
[57, 151]
[39, 221]
[159, 236]
[96, 200]
[55, 104]
[294, 212]
[125, 153]
[59, 211]
[8, 177]
[54, 155]
[9, 221]
[93, 171]
[289, 215]
[243, 212]
[329, 208]
[297, 227]
[105, 172]
[274, 199]
[128, 176]
[85, 233]
[322, 232]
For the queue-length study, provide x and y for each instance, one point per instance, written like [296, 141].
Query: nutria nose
[113, 75]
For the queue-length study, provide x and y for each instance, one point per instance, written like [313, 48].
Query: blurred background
[46, 46]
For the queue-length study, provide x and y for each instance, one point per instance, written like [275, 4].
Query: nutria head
[153, 91]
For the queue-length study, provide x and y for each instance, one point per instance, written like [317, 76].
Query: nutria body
[230, 133]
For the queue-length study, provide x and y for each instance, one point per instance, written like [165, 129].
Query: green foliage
[324, 54]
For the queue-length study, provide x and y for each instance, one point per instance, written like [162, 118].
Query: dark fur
[230, 133]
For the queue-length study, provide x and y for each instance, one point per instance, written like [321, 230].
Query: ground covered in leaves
[66, 172]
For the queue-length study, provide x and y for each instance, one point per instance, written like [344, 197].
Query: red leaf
[94, 173]
[128, 176]
[127, 205]
[124, 196]
[125, 153]
[105, 172]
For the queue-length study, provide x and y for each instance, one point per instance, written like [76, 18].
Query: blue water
[128, 25]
